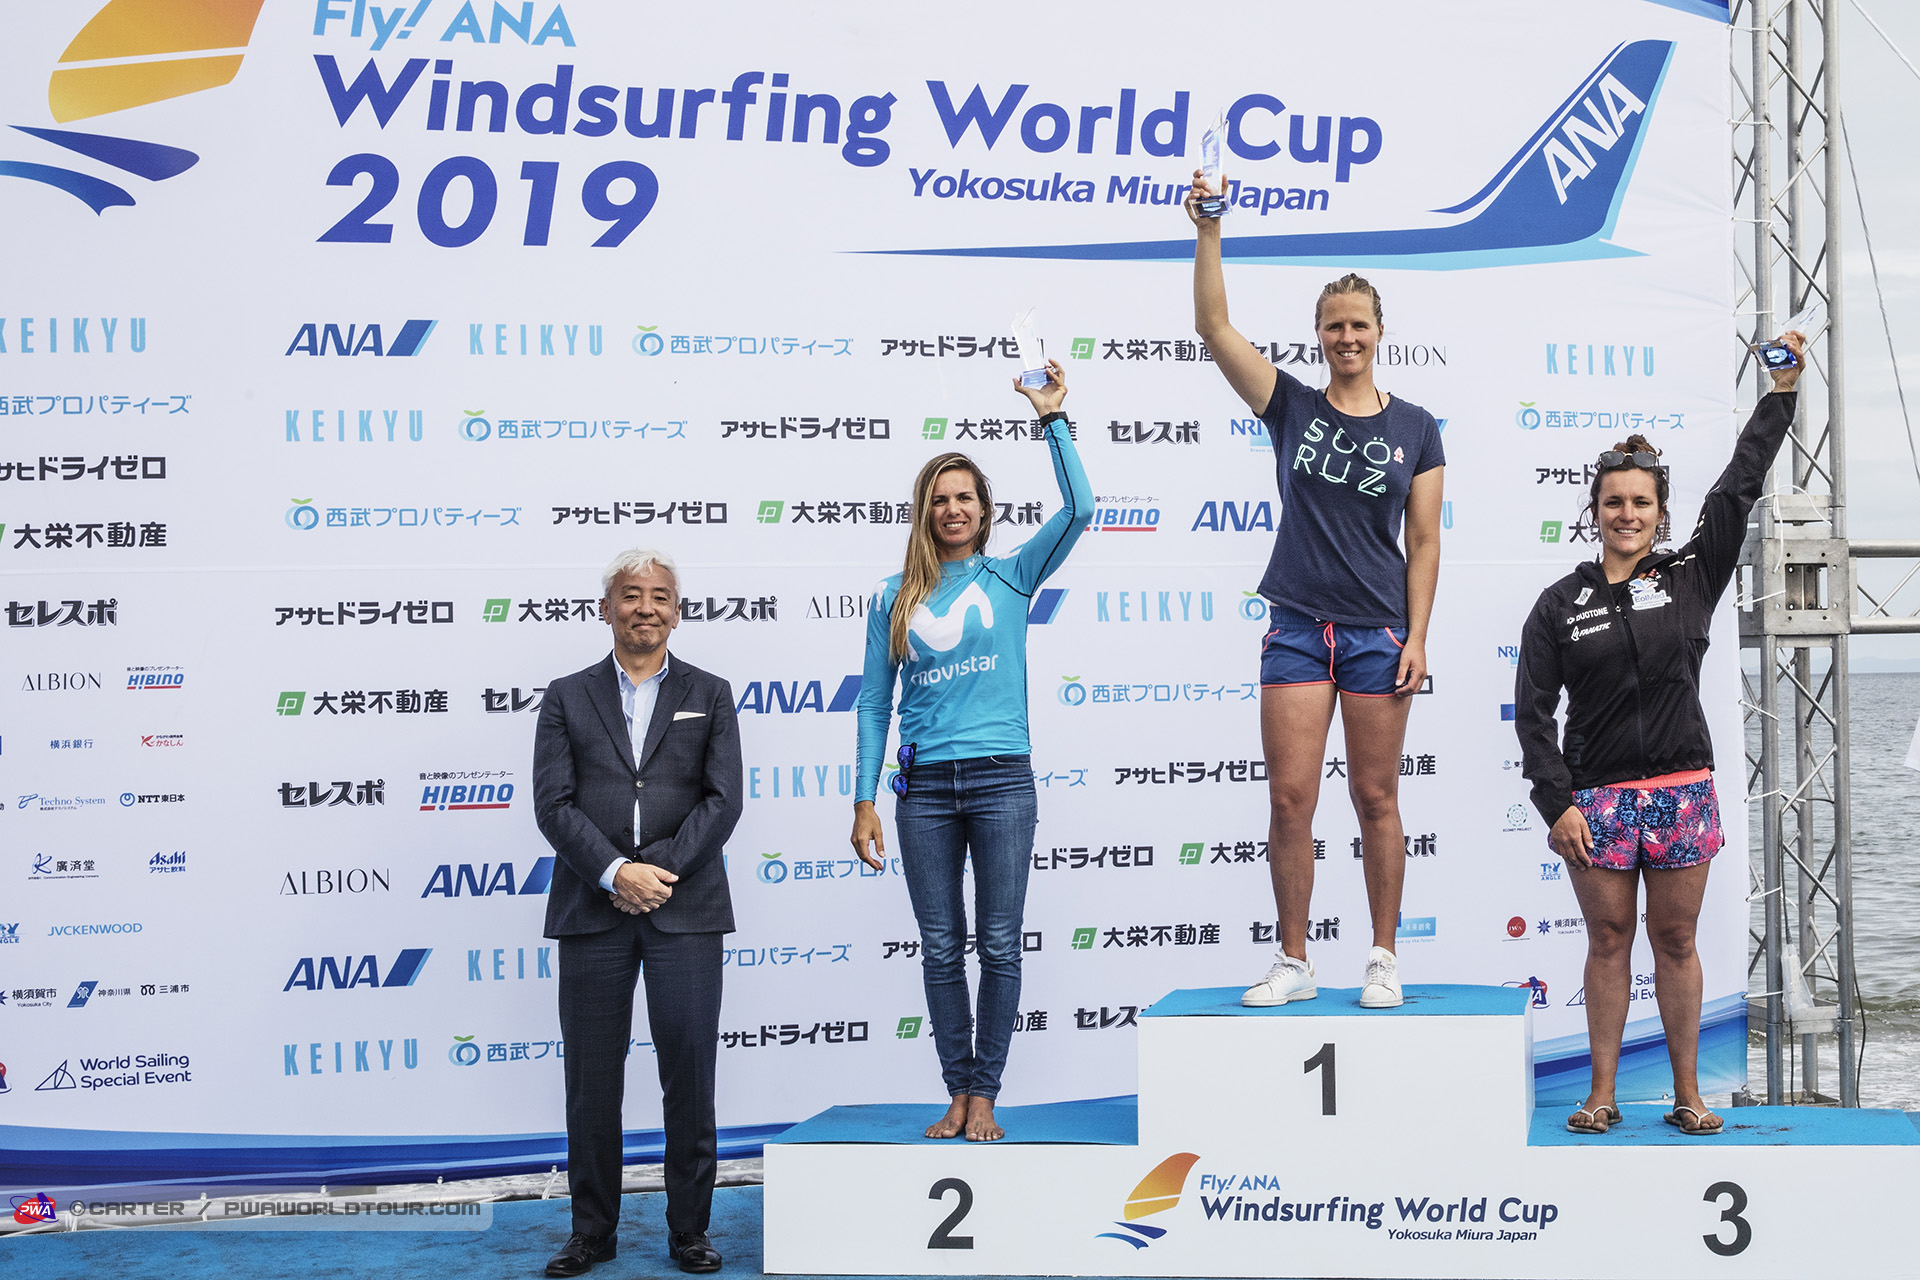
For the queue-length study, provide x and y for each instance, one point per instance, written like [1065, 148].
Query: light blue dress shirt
[637, 701]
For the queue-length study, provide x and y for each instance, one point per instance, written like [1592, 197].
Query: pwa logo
[1536, 989]
[1124, 520]
[450, 880]
[1157, 1192]
[128, 56]
[1233, 517]
[316, 338]
[458, 797]
[31, 1210]
[768, 696]
[349, 971]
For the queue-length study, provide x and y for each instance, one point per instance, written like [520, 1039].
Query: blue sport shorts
[1301, 650]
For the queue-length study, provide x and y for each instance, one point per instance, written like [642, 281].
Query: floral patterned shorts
[1662, 828]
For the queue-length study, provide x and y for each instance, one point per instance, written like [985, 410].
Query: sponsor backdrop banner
[342, 344]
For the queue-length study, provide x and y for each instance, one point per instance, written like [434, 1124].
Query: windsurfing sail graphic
[1158, 1191]
[95, 77]
[131, 53]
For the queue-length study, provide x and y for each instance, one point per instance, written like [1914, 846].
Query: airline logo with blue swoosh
[1556, 200]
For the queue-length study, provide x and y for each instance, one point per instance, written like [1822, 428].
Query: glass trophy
[1215, 205]
[1033, 351]
[1806, 322]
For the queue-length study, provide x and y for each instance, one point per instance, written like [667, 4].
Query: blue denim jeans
[987, 807]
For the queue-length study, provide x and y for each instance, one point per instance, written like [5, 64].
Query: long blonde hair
[920, 575]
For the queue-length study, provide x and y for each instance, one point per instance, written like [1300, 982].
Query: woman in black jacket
[1631, 784]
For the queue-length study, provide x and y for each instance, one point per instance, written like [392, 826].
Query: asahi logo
[60, 681]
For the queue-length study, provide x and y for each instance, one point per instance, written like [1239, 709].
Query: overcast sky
[1880, 98]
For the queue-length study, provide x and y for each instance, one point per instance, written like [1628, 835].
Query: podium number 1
[1323, 1060]
[943, 1237]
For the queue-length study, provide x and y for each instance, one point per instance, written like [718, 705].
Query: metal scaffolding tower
[1798, 578]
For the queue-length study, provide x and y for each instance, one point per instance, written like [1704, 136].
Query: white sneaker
[1289, 979]
[1383, 980]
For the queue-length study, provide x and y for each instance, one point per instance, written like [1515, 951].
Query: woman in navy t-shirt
[1347, 610]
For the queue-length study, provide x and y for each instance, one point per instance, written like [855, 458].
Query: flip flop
[1599, 1119]
[1702, 1126]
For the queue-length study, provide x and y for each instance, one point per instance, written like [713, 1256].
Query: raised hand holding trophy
[1033, 351]
[1213, 205]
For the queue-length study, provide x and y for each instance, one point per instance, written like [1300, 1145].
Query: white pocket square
[688, 715]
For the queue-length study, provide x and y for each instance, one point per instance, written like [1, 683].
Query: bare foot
[950, 1124]
[980, 1123]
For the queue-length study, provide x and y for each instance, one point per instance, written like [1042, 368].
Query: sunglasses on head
[905, 757]
[1614, 460]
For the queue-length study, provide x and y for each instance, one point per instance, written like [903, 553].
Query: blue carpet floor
[1422, 1000]
[1112, 1122]
[1643, 1125]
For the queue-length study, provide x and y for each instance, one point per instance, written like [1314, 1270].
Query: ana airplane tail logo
[1555, 200]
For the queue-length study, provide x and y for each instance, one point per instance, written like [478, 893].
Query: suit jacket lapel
[673, 692]
[604, 687]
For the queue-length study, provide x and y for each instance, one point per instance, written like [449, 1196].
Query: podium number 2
[1742, 1229]
[942, 1237]
[1324, 1061]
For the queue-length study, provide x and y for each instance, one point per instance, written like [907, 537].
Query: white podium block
[1323, 1140]
[1325, 1073]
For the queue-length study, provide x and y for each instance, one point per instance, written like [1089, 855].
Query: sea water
[1886, 897]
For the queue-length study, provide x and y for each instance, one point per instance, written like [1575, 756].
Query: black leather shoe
[693, 1251]
[579, 1254]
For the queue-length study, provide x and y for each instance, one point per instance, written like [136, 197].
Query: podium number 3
[942, 1237]
[1324, 1061]
[1742, 1229]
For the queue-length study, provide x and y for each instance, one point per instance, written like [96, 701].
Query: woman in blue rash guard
[951, 627]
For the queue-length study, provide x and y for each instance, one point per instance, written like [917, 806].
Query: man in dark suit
[636, 783]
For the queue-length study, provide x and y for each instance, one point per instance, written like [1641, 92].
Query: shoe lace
[1379, 971]
[1283, 965]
